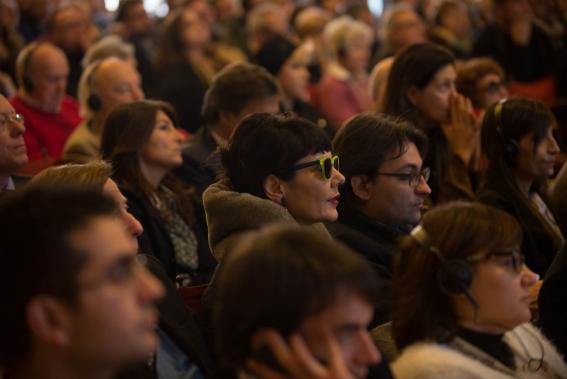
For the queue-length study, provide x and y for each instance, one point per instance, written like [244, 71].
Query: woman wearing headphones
[517, 138]
[461, 300]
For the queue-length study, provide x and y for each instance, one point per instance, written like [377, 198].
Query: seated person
[13, 153]
[103, 85]
[50, 115]
[288, 63]
[343, 89]
[277, 170]
[317, 302]
[384, 192]
[461, 304]
[517, 138]
[182, 345]
[237, 91]
[76, 302]
[421, 89]
[483, 81]
[142, 142]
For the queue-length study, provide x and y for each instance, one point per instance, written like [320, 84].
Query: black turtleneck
[491, 344]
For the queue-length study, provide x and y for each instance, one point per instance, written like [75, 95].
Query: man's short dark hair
[234, 87]
[276, 279]
[36, 256]
[368, 140]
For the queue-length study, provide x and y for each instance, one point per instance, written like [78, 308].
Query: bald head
[43, 70]
[113, 82]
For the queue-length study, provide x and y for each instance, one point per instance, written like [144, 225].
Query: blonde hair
[90, 175]
[343, 31]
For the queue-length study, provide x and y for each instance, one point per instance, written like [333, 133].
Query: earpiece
[454, 276]
[24, 66]
[510, 145]
[93, 101]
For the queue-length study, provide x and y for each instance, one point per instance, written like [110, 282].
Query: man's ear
[274, 188]
[361, 186]
[228, 119]
[49, 320]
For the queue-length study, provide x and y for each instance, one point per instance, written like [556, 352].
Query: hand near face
[462, 131]
[296, 359]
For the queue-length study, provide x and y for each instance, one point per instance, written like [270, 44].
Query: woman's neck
[482, 327]
[153, 175]
[523, 183]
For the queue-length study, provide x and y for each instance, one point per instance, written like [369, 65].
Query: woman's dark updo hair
[265, 144]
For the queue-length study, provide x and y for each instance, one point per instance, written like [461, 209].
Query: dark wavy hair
[265, 144]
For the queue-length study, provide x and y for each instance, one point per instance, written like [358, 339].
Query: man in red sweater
[50, 116]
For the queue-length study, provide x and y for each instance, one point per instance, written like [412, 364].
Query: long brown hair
[421, 309]
[126, 130]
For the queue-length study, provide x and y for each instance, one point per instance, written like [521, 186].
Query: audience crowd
[283, 189]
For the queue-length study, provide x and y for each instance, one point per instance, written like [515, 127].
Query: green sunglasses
[326, 163]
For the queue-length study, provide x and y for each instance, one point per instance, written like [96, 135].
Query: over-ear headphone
[454, 276]
[93, 101]
[511, 147]
[23, 65]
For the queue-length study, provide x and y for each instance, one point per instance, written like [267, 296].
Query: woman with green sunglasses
[277, 170]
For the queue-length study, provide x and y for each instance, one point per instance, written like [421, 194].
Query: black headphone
[511, 147]
[27, 83]
[93, 101]
[454, 276]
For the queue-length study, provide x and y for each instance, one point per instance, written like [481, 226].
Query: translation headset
[26, 81]
[511, 146]
[93, 101]
[454, 276]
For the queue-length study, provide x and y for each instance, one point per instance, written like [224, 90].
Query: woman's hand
[296, 360]
[462, 131]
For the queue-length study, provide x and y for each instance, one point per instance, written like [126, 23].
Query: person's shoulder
[428, 360]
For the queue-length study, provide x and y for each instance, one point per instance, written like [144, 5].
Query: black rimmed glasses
[513, 260]
[326, 164]
[412, 178]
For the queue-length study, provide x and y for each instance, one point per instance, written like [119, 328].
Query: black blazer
[537, 246]
[155, 240]
[180, 324]
[201, 167]
[553, 302]
[377, 244]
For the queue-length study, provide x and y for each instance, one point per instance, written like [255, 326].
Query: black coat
[553, 302]
[155, 240]
[180, 324]
[522, 63]
[377, 244]
[180, 86]
[538, 246]
[201, 167]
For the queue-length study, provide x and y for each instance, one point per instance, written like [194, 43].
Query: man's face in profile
[346, 320]
[113, 321]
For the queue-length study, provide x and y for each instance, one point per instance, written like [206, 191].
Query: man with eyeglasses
[13, 153]
[384, 192]
[75, 301]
